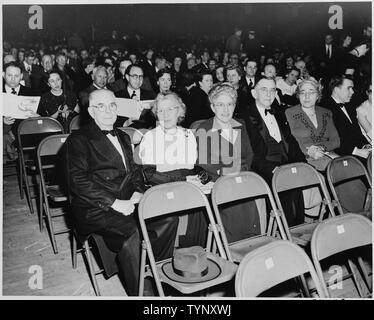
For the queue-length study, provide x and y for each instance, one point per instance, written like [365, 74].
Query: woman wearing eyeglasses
[313, 126]
[168, 153]
[224, 148]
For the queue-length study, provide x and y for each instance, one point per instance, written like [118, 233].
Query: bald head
[9, 58]
[102, 108]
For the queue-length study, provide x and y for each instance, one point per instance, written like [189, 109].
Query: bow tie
[271, 111]
[341, 105]
[112, 132]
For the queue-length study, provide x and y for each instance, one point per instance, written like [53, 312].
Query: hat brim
[214, 271]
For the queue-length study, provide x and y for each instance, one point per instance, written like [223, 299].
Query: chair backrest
[194, 125]
[272, 264]
[347, 175]
[32, 130]
[75, 123]
[51, 145]
[340, 233]
[135, 135]
[345, 168]
[241, 186]
[174, 197]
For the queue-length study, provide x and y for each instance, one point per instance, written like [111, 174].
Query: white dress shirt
[9, 89]
[271, 123]
[115, 142]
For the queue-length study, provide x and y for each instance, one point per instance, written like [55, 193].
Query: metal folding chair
[301, 176]
[170, 198]
[246, 185]
[30, 132]
[270, 265]
[94, 242]
[348, 175]
[75, 123]
[339, 234]
[369, 164]
[51, 188]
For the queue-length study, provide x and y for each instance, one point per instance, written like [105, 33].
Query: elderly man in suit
[134, 76]
[276, 145]
[105, 183]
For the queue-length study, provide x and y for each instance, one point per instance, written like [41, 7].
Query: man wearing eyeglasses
[105, 183]
[276, 145]
[134, 75]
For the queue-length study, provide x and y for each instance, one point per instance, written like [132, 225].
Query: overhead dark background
[290, 20]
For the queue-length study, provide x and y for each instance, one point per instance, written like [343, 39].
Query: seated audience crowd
[268, 106]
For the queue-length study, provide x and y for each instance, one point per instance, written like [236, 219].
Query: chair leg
[28, 192]
[74, 245]
[20, 177]
[355, 279]
[91, 271]
[304, 286]
[366, 275]
[142, 272]
[50, 225]
[41, 212]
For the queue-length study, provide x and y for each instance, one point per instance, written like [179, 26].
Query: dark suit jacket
[97, 176]
[349, 133]
[264, 167]
[39, 81]
[27, 75]
[211, 150]
[23, 91]
[147, 119]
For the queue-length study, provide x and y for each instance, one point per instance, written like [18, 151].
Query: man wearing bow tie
[275, 145]
[105, 183]
[352, 141]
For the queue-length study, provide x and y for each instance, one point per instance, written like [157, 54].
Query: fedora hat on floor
[191, 265]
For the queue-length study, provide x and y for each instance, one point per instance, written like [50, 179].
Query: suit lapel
[104, 147]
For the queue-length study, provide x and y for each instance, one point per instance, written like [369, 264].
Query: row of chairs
[296, 173]
[279, 261]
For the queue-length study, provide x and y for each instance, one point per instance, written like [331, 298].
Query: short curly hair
[317, 86]
[220, 88]
[169, 95]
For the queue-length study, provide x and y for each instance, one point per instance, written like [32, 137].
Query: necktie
[271, 111]
[328, 52]
[341, 105]
[112, 132]
[133, 95]
[250, 83]
[14, 91]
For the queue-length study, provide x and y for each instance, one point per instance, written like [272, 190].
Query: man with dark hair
[134, 76]
[12, 76]
[352, 142]
[27, 67]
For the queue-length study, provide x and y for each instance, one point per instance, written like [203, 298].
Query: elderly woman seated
[225, 148]
[168, 153]
[313, 126]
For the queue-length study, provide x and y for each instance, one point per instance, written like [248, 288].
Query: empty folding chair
[245, 185]
[350, 185]
[30, 132]
[339, 234]
[75, 123]
[51, 183]
[171, 198]
[270, 265]
[300, 176]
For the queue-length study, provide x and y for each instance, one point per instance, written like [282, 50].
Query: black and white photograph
[187, 151]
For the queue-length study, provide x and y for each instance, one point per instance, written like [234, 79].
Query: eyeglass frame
[103, 107]
[137, 76]
[163, 111]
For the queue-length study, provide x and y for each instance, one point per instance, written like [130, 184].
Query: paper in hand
[19, 107]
